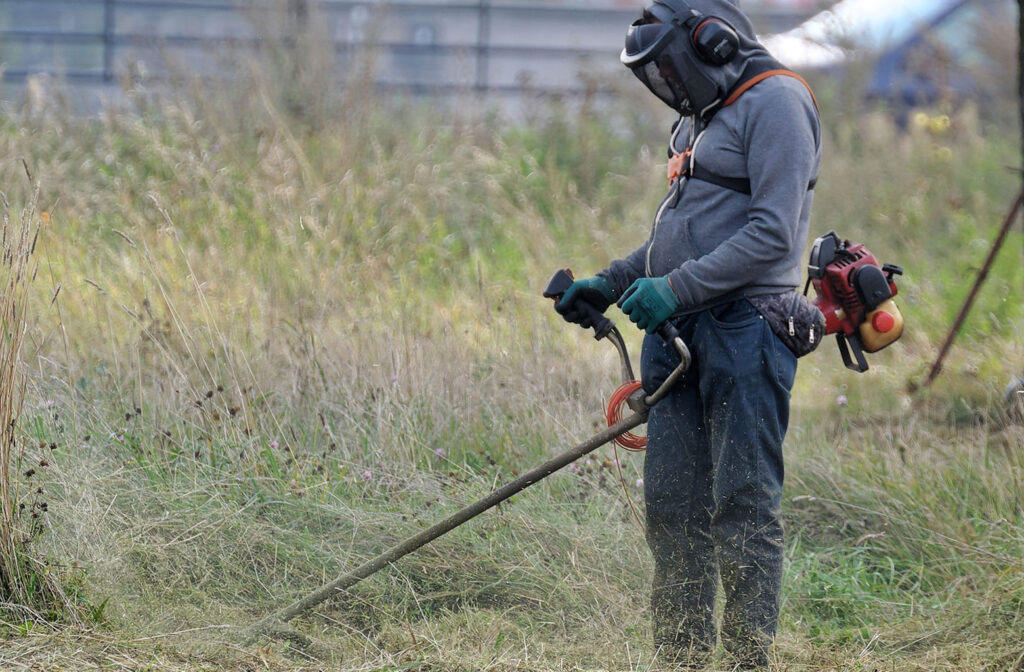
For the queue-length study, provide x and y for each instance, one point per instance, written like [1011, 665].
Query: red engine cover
[837, 297]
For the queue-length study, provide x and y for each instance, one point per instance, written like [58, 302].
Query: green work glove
[648, 302]
[595, 291]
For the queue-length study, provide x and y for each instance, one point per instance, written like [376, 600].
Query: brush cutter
[638, 402]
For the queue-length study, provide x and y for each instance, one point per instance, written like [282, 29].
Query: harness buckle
[677, 166]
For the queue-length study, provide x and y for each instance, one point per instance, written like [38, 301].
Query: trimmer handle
[668, 332]
[559, 284]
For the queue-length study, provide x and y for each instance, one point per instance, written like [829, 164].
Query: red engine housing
[837, 296]
[850, 285]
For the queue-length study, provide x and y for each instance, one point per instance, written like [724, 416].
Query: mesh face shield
[659, 49]
[663, 81]
[646, 53]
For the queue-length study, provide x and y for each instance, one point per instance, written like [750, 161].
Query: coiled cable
[613, 413]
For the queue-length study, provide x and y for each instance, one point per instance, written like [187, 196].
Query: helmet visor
[644, 42]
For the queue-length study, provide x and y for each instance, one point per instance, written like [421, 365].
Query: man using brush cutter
[720, 264]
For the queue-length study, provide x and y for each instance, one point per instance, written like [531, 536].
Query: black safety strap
[740, 184]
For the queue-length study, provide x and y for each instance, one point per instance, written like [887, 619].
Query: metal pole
[969, 301]
[272, 624]
[483, 39]
[109, 27]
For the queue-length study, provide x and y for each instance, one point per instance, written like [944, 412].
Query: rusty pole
[1011, 216]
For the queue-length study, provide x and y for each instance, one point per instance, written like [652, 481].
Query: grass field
[265, 342]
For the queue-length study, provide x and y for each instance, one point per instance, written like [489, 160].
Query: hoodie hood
[705, 84]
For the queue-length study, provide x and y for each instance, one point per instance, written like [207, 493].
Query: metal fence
[426, 46]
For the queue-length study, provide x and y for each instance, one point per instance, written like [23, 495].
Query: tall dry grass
[28, 586]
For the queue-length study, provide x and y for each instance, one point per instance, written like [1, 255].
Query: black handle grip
[602, 325]
[668, 332]
[559, 284]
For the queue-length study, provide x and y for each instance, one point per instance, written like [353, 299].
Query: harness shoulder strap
[740, 184]
[757, 79]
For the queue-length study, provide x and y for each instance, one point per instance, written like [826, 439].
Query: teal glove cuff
[648, 302]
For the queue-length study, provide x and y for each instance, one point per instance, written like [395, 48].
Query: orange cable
[613, 413]
[631, 442]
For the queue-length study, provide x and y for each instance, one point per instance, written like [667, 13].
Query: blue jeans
[713, 482]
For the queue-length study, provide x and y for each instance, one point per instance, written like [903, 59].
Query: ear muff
[714, 40]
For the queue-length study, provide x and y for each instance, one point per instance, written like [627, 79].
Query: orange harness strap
[677, 163]
[745, 86]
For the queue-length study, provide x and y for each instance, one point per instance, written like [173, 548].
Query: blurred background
[917, 52]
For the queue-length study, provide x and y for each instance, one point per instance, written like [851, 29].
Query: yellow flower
[45, 216]
[944, 154]
[938, 124]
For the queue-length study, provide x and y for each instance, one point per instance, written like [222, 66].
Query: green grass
[263, 348]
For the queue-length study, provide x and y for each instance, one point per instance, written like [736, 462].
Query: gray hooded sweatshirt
[716, 244]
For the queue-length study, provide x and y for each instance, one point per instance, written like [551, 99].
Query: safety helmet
[670, 48]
